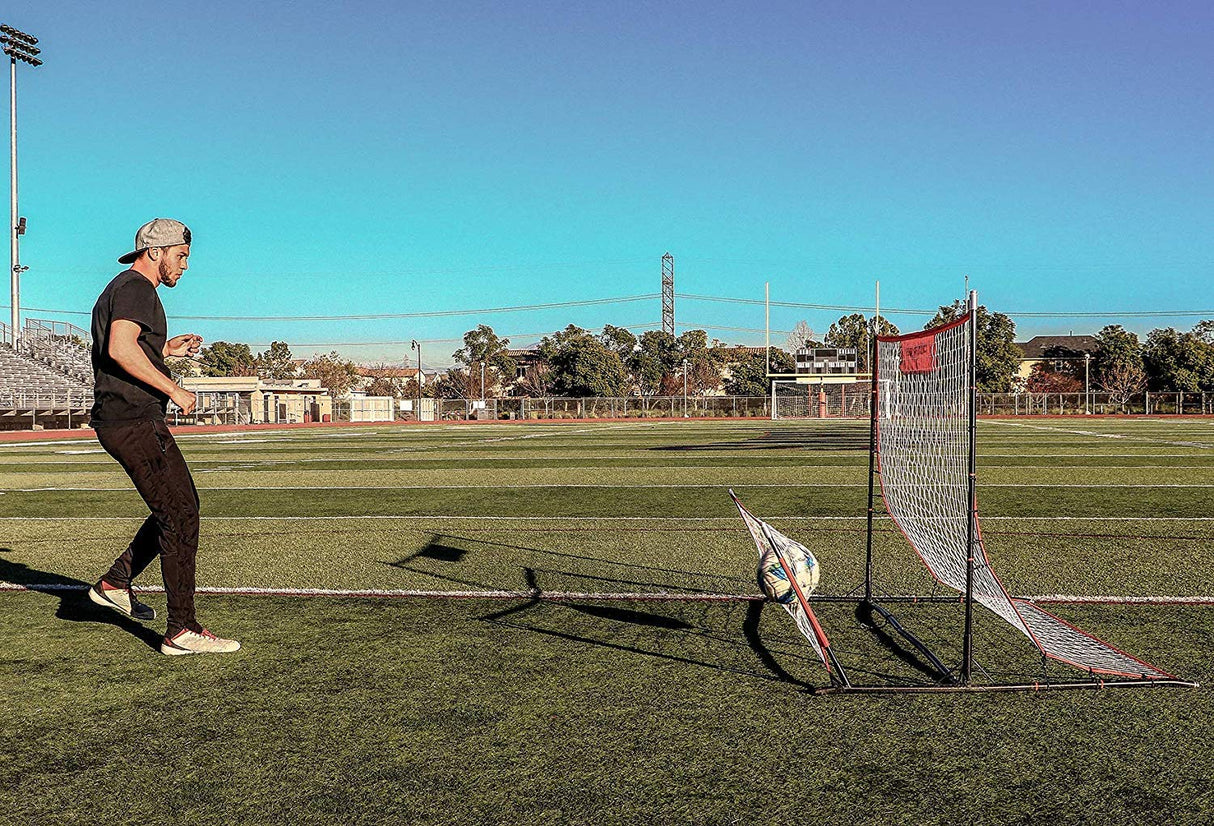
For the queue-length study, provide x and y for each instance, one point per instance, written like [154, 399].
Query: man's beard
[165, 270]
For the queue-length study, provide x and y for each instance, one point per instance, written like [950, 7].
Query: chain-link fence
[856, 406]
[24, 409]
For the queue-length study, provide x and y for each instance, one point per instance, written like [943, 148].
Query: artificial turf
[445, 711]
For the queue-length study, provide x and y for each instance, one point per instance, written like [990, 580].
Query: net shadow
[482, 564]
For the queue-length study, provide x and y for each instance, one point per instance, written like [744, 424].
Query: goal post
[834, 397]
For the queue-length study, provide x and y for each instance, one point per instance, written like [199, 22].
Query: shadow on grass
[835, 438]
[679, 631]
[451, 549]
[74, 604]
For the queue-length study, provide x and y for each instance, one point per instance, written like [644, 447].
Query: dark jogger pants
[147, 452]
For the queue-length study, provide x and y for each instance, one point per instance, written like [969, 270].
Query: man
[131, 392]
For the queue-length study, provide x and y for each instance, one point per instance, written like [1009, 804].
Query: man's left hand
[186, 344]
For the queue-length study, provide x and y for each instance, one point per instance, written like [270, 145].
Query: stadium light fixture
[23, 47]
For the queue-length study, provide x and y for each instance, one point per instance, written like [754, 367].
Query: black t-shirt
[117, 396]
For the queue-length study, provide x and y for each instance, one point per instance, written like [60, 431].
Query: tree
[582, 365]
[225, 359]
[657, 358]
[702, 363]
[748, 370]
[385, 382]
[1179, 361]
[853, 331]
[1043, 379]
[182, 366]
[482, 346]
[1123, 380]
[620, 340]
[998, 357]
[457, 383]
[1116, 346]
[276, 363]
[802, 335]
[537, 380]
[336, 374]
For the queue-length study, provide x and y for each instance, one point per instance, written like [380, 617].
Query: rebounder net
[923, 448]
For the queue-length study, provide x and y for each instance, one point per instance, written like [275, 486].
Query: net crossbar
[923, 450]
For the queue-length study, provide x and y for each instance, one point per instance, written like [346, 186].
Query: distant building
[249, 399]
[1058, 353]
[398, 375]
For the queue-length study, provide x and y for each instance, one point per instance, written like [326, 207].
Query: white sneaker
[121, 600]
[186, 641]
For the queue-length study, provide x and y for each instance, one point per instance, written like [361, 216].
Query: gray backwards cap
[158, 232]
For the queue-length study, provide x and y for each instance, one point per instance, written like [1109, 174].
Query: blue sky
[361, 158]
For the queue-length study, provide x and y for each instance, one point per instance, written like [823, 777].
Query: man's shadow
[74, 602]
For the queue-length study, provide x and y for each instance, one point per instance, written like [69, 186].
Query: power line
[909, 311]
[648, 326]
[389, 316]
[754, 302]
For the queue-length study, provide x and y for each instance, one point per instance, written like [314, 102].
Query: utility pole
[413, 345]
[1087, 392]
[18, 46]
[685, 364]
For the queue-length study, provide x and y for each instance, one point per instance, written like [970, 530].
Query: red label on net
[919, 355]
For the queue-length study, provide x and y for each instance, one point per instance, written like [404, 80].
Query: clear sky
[380, 157]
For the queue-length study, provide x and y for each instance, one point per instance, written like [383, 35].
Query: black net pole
[967, 649]
[872, 456]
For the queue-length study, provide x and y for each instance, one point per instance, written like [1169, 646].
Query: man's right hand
[184, 399]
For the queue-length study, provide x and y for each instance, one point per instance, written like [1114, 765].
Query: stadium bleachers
[49, 378]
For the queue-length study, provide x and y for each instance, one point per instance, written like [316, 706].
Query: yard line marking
[538, 485]
[1097, 435]
[558, 518]
[664, 596]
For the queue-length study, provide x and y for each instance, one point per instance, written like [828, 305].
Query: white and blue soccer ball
[773, 581]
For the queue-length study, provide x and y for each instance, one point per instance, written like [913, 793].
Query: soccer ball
[774, 582]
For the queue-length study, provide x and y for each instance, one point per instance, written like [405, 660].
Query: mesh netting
[792, 400]
[769, 541]
[923, 452]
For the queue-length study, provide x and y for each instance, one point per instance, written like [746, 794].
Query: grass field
[356, 710]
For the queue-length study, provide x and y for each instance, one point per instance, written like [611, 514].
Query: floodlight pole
[18, 46]
[14, 251]
[482, 381]
[967, 646]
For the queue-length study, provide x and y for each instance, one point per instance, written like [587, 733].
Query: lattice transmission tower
[668, 293]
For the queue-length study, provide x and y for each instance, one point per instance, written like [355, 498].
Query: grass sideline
[363, 711]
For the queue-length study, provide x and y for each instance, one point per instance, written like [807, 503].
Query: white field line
[1097, 435]
[551, 485]
[566, 519]
[401, 593]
